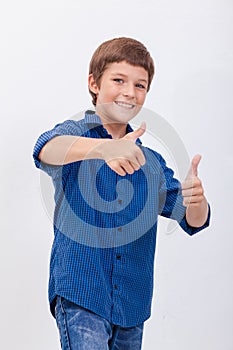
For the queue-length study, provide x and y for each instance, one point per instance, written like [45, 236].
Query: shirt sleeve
[171, 200]
[69, 127]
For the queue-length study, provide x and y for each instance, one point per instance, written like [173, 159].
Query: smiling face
[121, 92]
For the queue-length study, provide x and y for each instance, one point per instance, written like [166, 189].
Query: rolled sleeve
[172, 200]
[192, 230]
[69, 127]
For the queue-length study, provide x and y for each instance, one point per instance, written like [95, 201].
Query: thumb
[194, 165]
[134, 135]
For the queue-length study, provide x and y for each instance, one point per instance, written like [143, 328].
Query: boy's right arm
[122, 156]
[66, 149]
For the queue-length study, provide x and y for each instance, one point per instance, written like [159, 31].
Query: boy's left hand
[193, 196]
[192, 190]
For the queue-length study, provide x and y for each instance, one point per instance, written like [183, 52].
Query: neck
[116, 130]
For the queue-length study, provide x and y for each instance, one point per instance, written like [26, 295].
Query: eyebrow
[124, 75]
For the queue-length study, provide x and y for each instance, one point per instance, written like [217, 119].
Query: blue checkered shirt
[105, 227]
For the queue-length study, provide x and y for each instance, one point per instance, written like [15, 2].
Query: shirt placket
[119, 261]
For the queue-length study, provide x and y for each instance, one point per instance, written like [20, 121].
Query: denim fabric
[81, 329]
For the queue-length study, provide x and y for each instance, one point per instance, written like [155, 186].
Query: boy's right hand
[123, 156]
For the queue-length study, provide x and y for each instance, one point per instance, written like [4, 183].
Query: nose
[129, 90]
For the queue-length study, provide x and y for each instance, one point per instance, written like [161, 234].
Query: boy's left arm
[197, 208]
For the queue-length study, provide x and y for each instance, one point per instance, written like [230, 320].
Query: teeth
[125, 105]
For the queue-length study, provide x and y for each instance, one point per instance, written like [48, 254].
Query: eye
[140, 86]
[118, 80]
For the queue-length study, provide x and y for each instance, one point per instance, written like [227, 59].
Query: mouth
[124, 104]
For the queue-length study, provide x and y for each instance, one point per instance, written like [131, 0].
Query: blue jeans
[81, 329]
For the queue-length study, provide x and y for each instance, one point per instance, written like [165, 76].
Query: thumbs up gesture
[193, 196]
[134, 135]
[123, 156]
[192, 190]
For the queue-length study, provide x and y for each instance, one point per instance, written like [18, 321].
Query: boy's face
[121, 92]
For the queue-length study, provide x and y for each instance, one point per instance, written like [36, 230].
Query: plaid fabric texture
[105, 228]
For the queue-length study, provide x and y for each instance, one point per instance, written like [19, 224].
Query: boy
[109, 191]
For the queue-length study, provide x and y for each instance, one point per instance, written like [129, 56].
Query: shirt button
[119, 201]
[119, 229]
[115, 286]
[118, 257]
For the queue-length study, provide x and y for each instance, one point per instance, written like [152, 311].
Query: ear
[92, 84]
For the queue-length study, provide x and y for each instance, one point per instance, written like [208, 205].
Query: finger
[115, 166]
[192, 192]
[134, 135]
[135, 165]
[141, 158]
[194, 165]
[191, 183]
[195, 162]
[128, 167]
[192, 200]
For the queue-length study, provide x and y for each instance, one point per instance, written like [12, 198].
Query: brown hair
[118, 50]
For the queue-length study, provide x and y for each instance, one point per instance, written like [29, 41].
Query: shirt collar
[94, 121]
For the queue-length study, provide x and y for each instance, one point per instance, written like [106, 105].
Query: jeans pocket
[61, 320]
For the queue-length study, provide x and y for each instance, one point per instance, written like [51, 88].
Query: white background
[45, 50]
